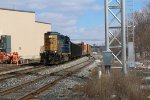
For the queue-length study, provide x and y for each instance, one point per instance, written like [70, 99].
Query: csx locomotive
[58, 49]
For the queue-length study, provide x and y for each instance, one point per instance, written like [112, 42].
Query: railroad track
[7, 67]
[21, 73]
[14, 73]
[67, 73]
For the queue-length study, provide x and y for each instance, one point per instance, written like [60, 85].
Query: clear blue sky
[79, 19]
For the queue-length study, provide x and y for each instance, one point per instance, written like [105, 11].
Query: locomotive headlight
[55, 51]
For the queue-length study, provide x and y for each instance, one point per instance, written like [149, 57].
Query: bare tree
[142, 32]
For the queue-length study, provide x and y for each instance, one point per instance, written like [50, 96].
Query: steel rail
[20, 86]
[51, 84]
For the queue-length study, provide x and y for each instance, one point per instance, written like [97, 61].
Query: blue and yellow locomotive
[57, 48]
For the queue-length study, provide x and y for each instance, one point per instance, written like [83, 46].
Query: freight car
[86, 49]
[76, 51]
[89, 48]
[58, 49]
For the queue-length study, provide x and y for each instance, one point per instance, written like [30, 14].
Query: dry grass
[115, 87]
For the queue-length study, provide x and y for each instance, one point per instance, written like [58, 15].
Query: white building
[27, 35]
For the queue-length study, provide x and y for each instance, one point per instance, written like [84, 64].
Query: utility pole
[115, 20]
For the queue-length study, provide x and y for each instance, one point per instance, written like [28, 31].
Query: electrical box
[131, 55]
[5, 43]
[107, 57]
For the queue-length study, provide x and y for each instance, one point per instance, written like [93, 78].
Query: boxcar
[76, 50]
[86, 49]
[89, 49]
[82, 46]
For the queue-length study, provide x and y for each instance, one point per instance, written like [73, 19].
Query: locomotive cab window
[52, 40]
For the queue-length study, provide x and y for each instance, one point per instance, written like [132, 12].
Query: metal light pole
[107, 55]
[106, 26]
[123, 31]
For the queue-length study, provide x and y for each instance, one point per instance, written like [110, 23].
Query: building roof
[53, 33]
[42, 22]
[17, 10]
[23, 11]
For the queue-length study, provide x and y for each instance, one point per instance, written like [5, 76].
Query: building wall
[26, 34]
